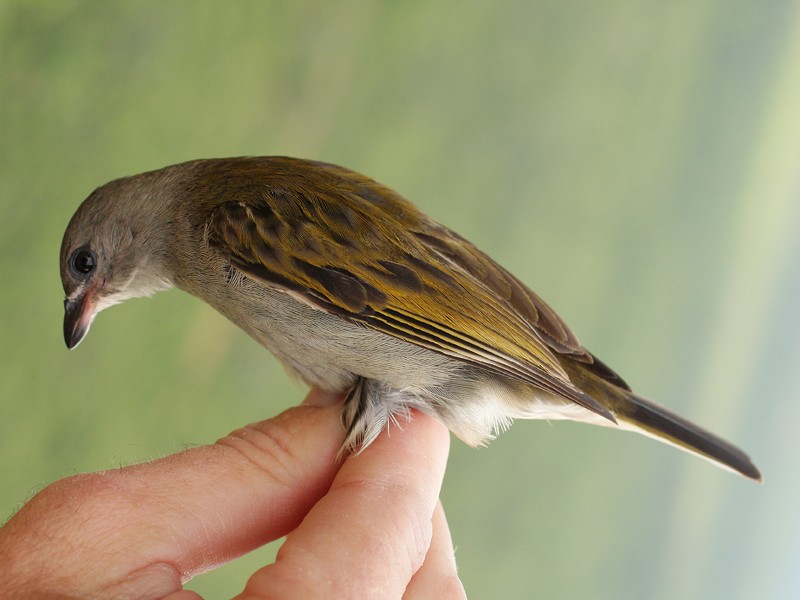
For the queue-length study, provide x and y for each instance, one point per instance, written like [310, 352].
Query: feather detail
[344, 244]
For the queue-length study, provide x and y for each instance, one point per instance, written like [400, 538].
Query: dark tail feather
[654, 420]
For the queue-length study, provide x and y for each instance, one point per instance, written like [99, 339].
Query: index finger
[143, 530]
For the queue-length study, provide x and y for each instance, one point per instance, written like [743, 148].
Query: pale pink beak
[78, 316]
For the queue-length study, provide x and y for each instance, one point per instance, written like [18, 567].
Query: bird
[358, 292]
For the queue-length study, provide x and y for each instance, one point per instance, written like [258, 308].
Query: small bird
[358, 292]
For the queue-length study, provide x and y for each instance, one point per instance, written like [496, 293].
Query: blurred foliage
[636, 163]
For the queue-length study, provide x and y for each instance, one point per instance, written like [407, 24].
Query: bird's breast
[324, 349]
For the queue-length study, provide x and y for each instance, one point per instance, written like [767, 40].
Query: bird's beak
[78, 316]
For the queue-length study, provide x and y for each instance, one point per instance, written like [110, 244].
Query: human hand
[371, 527]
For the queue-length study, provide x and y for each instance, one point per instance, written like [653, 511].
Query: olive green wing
[356, 249]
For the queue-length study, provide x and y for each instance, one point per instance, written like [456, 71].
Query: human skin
[370, 527]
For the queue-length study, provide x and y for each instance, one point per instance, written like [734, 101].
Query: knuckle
[267, 447]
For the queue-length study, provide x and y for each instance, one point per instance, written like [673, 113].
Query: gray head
[115, 248]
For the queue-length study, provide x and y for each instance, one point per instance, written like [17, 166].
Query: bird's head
[114, 248]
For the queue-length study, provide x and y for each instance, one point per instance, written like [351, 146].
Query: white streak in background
[763, 237]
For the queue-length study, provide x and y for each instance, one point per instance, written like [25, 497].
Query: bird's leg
[367, 410]
[352, 418]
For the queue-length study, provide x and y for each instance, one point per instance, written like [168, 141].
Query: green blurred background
[637, 163]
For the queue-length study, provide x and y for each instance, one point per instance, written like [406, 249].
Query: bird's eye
[82, 262]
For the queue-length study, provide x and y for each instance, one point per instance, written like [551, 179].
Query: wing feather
[357, 249]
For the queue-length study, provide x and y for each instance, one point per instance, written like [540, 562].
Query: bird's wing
[357, 249]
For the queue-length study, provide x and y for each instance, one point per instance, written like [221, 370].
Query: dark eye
[82, 262]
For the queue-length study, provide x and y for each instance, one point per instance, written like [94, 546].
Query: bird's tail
[644, 416]
[634, 413]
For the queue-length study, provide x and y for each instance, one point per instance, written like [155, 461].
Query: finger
[437, 577]
[369, 535]
[142, 530]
